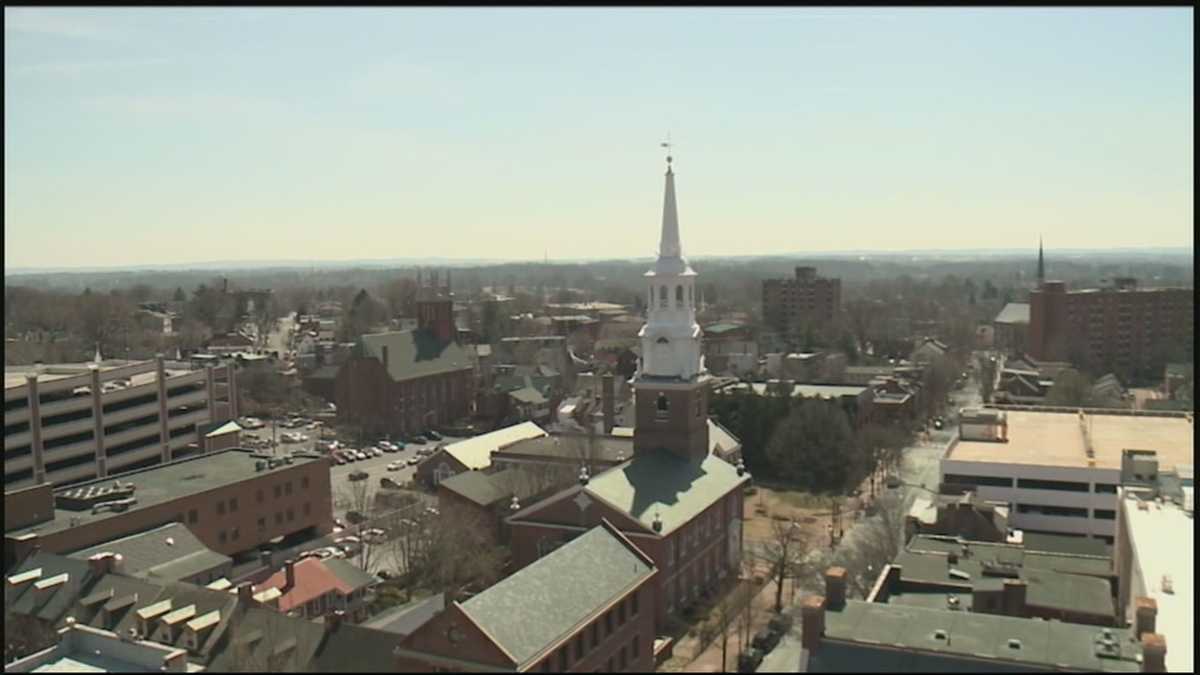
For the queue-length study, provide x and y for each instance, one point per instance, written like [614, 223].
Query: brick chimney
[1014, 597]
[1145, 615]
[835, 587]
[1154, 653]
[608, 402]
[245, 592]
[812, 617]
[289, 573]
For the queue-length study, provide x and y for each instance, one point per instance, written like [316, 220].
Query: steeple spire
[669, 246]
[1041, 272]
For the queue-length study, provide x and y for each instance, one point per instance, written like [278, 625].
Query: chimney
[1145, 615]
[812, 616]
[835, 587]
[333, 620]
[289, 571]
[609, 405]
[101, 563]
[1154, 653]
[245, 592]
[1014, 597]
[952, 558]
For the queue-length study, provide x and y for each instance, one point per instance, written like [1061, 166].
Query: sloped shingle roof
[415, 353]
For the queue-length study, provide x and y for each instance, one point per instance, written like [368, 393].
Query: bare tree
[876, 544]
[784, 554]
[359, 498]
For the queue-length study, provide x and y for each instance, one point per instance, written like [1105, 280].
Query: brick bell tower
[671, 384]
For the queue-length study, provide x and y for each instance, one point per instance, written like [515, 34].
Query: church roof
[661, 484]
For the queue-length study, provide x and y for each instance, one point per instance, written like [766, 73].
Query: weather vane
[667, 144]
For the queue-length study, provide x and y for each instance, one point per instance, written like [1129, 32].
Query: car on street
[386, 446]
[290, 438]
[251, 423]
[433, 435]
[413, 461]
[394, 466]
[338, 460]
[417, 439]
[359, 475]
[425, 452]
[373, 533]
[376, 452]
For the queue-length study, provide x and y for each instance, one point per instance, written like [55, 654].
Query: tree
[876, 543]
[1071, 388]
[265, 318]
[881, 447]
[363, 313]
[179, 295]
[784, 554]
[814, 447]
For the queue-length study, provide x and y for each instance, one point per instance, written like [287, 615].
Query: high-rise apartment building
[1120, 327]
[805, 301]
[73, 422]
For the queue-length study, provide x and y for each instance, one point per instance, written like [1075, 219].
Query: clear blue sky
[146, 136]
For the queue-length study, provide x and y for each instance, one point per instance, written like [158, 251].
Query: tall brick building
[1117, 328]
[676, 500]
[406, 382]
[807, 300]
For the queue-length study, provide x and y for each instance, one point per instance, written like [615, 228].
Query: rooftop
[82, 649]
[1161, 539]
[574, 446]
[415, 353]
[476, 452]
[1056, 439]
[165, 483]
[659, 484]
[14, 376]
[314, 578]
[486, 489]
[169, 553]
[878, 629]
[530, 610]
[405, 619]
[1013, 312]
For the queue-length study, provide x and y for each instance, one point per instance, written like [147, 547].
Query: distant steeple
[1041, 272]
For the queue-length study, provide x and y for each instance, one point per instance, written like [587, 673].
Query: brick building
[407, 382]
[544, 618]
[232, 501]
[807, 300]
[1119, 328]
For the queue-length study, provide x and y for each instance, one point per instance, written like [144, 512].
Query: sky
[161, 136]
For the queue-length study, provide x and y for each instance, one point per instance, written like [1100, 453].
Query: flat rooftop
[165, 483]
[14, 376]
[1057, 439]
[969, 635]
[1162, 539]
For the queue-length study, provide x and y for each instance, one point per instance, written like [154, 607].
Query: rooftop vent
[952, 602]
[1014, 643]
[941, 634]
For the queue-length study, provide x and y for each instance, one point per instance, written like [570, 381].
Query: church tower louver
[671, 384]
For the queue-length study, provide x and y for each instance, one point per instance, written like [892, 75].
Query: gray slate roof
[147, 554]
[659, 483]
[355, 649]
[408, 618]
[486, 489]
[349, 573]
[415, 353]
[533, 608]
[52, 603]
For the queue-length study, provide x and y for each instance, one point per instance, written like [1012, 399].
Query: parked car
[338, 460]
[359, 475]
[433, 435]
[749, 661]
[373, 533]
[418, 440]
[394, 466]
[376, 452]
[413, 461]
[361, 454]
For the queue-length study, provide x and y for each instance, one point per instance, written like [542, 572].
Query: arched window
[662, 406]
[689, 296]
[679, 296]
[662, 296]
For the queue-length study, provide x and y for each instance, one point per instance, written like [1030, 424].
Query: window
[1106, 487]
[978, 480]
[634, 600]
[278, 518]
[662, 296]
[679, 297]
[233, 505]
[260, 496]
[220, 508]
[562, 660]
[621, 614]
[608, 623]
[595, 634]
[262, 523]
[622, 661]
[291, 515]
[234, 534]
[307, 508]
[546, 666]
[1062, 485]
[278, 491]
[579, 646]
[193, 516]
[287, 488]
[304, 483]
[635, 647]
[1104, 514]
[221, 536]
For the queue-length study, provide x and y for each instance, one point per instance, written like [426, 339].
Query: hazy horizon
[196, 136]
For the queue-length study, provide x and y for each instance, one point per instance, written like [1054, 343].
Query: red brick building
[1118, 328]
[806, 299]
[544, 618]
[407, 382]
[232, 500]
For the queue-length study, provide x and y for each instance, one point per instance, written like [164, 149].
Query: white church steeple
[671, 336]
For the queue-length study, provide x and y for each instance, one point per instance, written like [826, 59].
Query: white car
[376, 452]
[395, 466]
[360, 454]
